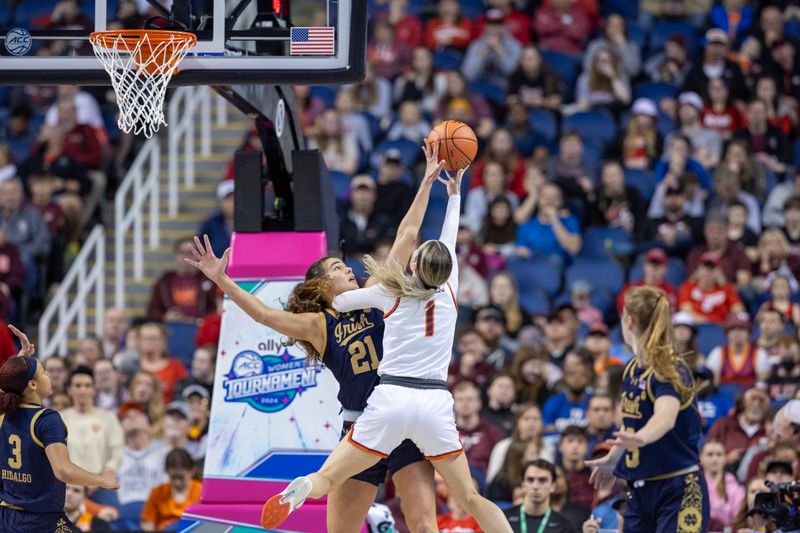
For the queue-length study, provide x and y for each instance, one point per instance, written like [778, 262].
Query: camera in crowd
[782, 505]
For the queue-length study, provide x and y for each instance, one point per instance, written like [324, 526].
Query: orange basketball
[458, 144]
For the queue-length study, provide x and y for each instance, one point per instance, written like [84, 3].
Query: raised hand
[26, 346]
[630, 441]
[433, 167]
[454, 182]
[205, 260]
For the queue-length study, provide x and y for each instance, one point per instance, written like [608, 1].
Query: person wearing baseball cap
[706, 143]
[740, 361]
[785, 430]
[599, 344]
[716, 65]
[655, 271]
[395, 194]
[706, 295]
[362, 225]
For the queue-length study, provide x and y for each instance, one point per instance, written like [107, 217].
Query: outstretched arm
[408, 230]
[68, 472]
[304, 326]
[451, 219]
[362, 299]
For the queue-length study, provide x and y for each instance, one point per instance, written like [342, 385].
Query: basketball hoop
[141, 63]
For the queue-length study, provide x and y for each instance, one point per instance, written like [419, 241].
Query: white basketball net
[140, 68]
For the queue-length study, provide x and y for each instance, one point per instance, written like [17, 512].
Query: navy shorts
[402, 456]
[676, 505]
[27, 522]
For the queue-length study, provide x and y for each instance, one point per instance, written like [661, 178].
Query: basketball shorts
[395, 413]
[20, 521]
[402, 456]
[674, 505]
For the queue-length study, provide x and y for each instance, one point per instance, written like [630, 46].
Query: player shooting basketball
[353, 358]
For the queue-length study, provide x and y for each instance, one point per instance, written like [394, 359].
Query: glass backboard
[238, 41]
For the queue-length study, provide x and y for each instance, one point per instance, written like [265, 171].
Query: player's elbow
[61, 473]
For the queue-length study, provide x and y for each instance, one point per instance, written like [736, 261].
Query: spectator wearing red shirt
[573, 447]
[740, 362]
[12, 274]
[80, 140]
[745, 426]
[181, 295]
[501, 149]
[407, 27]
[457, 520]
[478, 436]
[448, 29]
[156, 360]
[515, 22]
[655, 268]
[8, 347]
[562, 26]
[719, 113]
[733, 260]
[389, 57]
[707, 296]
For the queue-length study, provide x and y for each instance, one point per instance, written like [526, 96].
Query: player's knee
[469, 500]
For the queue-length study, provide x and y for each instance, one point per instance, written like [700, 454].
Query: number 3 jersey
[27, 480]
[675, 451]
[353, 350]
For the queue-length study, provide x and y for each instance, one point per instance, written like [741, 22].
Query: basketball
[458, 144]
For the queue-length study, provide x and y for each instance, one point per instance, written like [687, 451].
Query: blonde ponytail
[434, 265]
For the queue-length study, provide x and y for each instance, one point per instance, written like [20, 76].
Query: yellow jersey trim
[33, 423]
[324, 332]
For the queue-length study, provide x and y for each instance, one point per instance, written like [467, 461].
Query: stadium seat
[341, 185]
[448, 59]
[180, 342]
[792, 28]
[494, 93]
[796, 153]
[532, 274]
[593, 155]
[635, 33]
[604, 301]
[629, 10]
[358, 267]
[409, 151]
[374, 125]
[596, 126]
[566, 66]
[535, 302]
[605, 243]
[323, 92]
[655, 91]
[642, 180]
[544, 123]
[472, 9]
[661, 31]
[603, 273]
[709, 336]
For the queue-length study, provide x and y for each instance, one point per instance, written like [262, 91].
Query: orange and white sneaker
[277, 509]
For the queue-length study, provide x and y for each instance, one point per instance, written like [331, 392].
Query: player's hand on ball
[205, 260]
[433, 167]
[26, 347]
[454, 182]
[108, 480]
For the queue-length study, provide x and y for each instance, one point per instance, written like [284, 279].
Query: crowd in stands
[622, 143]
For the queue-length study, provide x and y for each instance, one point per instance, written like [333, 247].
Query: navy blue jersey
[675, 451]
[353, 350]
[27, 477]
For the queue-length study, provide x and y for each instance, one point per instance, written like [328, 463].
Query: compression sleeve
[373, 296]
[450, 233]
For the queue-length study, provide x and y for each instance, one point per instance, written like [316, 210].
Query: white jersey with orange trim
[418, 334]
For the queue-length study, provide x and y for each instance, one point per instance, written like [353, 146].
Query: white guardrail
[138, 195]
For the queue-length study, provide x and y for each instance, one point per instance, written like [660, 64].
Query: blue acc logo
[268, 383]
[18, 41]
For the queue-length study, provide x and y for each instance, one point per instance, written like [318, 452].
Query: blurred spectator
[201, 372]
[538, 484]
[674, 166]
[707, 296]
[142, 467]
[490, 323]
[743, 427]
[604, 84]
[478, 435]
[738, 232]
[515, 22]
[781, 110]
[12, 276]
[559, 336]
[177, 424]
[495, 185]
[25, 228]
[569, 407]
[791, 223]
[655, 270]
[750, 176]
[75, 509]
[448, 29]
[410, 125]
[641, 143]
[504, 485]
[533, 374]
[573, 447]
[77, 141]
[354, 123]
[457, 520]
[110, 393]
[772, 213]
[562, 26]
[146, 390]
[784, 71]
[339, 148]
[499, 230]
[727, 189]
[527, 428]
[475, 107]
[181, 295]
[686, 338]
[617, 205]
[569, 169]
[408, 28]
[706, 143]
[733, 261]
[501, 149]
[89, 352]
[784, 432]
[219, 226]
[784, 381]
[599, 421]
[674, 230]
[598, 344]
[733, 17]
[771, 325]
[87, 110]
[766, 142]
[394, 194]
[534, 81]
[580, 294]
[725, 493]
[420, 83]
[388, 56]
[472, 253]
[739, 362]
[156, 360]
[553, 233]
[780, 292]
[362, 226]
[18, 133]
[716, 65]
[504, 295]
[167, 502]
[470, 365]
[672, 64]
[7, 168]
[711, 403]
[495, 55]
[500, 396]
[615, 38]
[95, 436]
[198, 399]
[374, 94]
[720, 114]
[115, 328]
[774, 259]
[56, 369]
[744, 519]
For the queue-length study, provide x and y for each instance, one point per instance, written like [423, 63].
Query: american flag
[311, 41]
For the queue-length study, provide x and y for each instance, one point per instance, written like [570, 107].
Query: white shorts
[396, 413]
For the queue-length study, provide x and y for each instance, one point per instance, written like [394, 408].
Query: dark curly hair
[311, 296]
[13, 382]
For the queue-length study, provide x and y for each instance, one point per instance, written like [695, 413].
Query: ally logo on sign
[269, 383]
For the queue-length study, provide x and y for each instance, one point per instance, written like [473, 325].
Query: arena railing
[136, 205]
